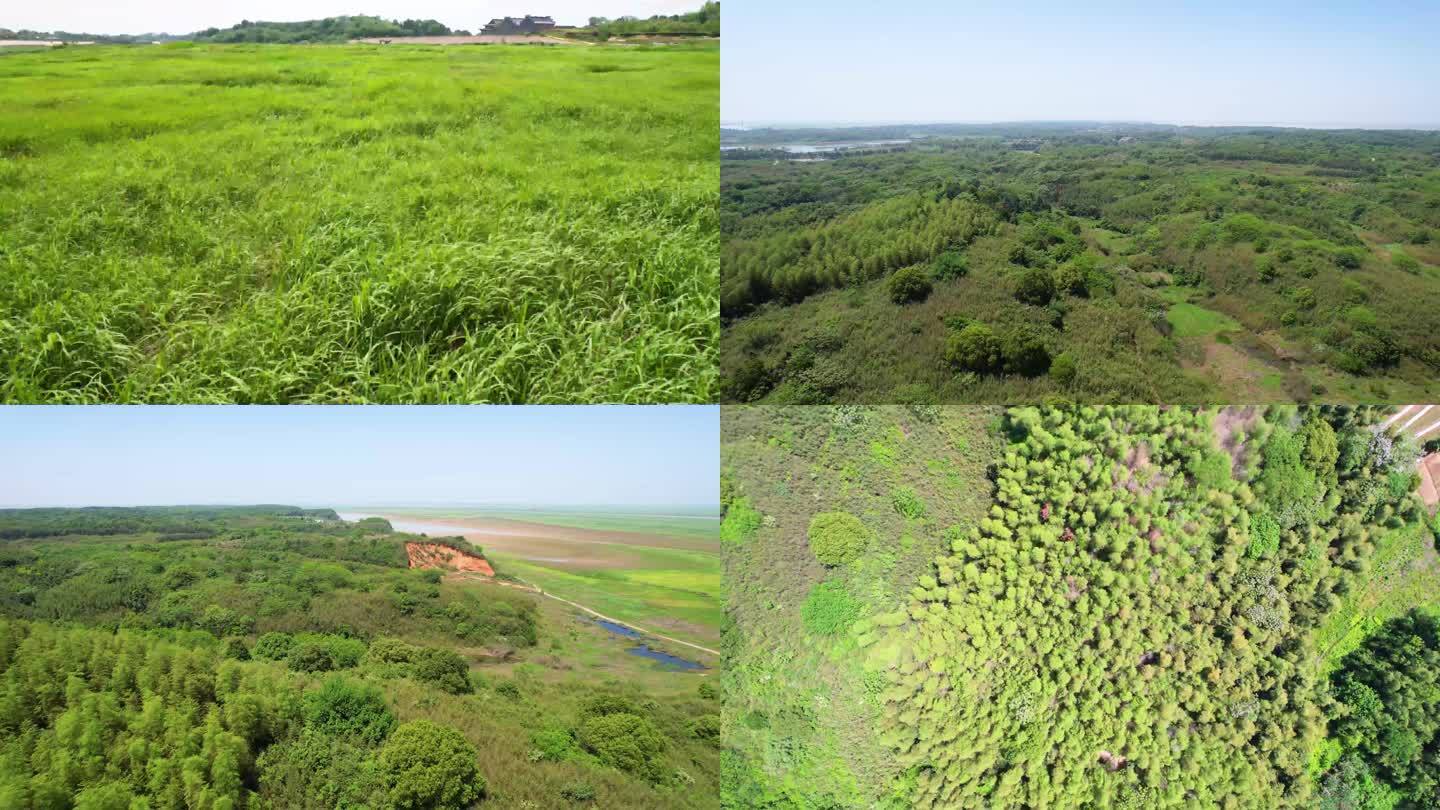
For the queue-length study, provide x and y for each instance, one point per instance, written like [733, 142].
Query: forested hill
[1010, 263]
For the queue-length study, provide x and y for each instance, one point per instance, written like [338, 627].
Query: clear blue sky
[360, 456]
[1303, 63]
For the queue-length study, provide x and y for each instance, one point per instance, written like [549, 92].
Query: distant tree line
[330, 29]
[704, 22]
[69, 36]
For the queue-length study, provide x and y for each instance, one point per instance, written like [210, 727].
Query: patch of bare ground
[1230, 426]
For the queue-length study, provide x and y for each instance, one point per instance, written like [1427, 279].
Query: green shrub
[1322, 448]
[1024, 351]
[1404, 261]
[273, 646]
[908, 284]
[837, 538]
[1036, 286]
[346, 708]
[740, 523]
[310, 656]
[392, 651]
[829, 609]
[751, 381]
[446, 669]
[907, 502]
[951, 264]
[1072, 278]
[625, 741]
[1063, 370]
[974, 348]
[424, 765]
[706, 727]
[1348, 258]
[552, 745]
[1264, 536]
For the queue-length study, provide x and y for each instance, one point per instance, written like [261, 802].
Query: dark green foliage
[1389, 688]
[342, 707]
[310, 656]
[837, 538]
[949, 265]
[425, 766]
[706, 727]
[908, 284]
[1290, 487]
[329, 29]
[1063, 369]
[974, 348]
[1025, 352]
[1351, 786]
[829, 609]
[444, 668]
[1035, 286]
[625, 741]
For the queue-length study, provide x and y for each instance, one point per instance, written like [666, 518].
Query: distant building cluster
[518, 25]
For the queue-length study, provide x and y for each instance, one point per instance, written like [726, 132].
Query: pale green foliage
[837, 538]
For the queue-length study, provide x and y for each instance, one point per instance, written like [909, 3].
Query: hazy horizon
[539, 457]
[812, 124]
[1225, 63]
[177, 17]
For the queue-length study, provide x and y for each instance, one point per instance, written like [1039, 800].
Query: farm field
[1074, 607]
[358, 223]
[630, 568]
[275, 656]
[1015, 263]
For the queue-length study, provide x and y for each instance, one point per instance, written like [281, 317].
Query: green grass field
[277, 224]
[1189, 320]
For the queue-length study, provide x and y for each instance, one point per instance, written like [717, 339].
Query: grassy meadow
[352, 223]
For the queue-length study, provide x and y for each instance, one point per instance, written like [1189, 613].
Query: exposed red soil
[434, 555]
[1429, 476]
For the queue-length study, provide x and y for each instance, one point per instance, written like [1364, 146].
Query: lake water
[644, 651]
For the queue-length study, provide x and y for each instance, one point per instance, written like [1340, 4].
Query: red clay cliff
[434, 555]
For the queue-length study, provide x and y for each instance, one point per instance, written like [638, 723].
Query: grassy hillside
[358, 223]
[1076, 607]
[289, 661]
[1092, 263]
